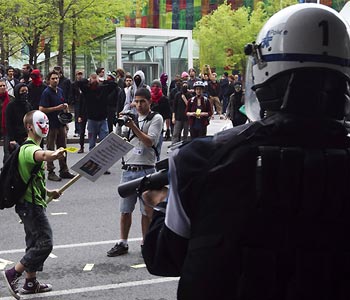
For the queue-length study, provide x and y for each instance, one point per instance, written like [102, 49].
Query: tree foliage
[223, 34]
[30, 24]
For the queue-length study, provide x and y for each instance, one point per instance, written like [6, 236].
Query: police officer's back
[261, 211]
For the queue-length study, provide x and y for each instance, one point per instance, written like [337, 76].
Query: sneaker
[32, 286]
[107, 172]
[53, 177]
[67, 175]
[81, 150]
[118, 249]
[76, 135]
[11, 278]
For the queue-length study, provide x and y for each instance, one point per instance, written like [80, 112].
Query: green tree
[223, 34]
[67, 26]
[26, 21]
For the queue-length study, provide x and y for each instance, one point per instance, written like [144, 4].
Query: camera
[126, 116]
[152, 181]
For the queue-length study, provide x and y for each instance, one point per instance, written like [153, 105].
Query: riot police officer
[261, 210]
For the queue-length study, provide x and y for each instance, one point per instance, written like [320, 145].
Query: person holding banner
[144, 133]
[31, 209]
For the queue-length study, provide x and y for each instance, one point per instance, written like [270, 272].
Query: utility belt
[136, 168]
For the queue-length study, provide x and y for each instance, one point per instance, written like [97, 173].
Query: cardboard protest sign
[102, 157]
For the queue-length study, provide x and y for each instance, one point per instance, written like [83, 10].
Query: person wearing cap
[35, 88]
[184, 76]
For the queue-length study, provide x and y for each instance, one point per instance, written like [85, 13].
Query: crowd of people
[115, 94]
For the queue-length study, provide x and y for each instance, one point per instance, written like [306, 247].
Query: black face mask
[23, 97]
[137, 81]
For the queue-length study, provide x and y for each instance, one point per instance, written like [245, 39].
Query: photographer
[261, 211]
[143, 134]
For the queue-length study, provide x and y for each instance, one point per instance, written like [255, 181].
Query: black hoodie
[15, 112]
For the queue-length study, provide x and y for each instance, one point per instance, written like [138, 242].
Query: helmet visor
[252, 106]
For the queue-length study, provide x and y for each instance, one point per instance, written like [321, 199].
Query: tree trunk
[74, 51]
[60, 34]
[47, 56]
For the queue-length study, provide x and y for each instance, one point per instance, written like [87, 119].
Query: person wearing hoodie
[35, 88]
[138, 82]
[164, 79]
[15, 111]
[160, 104]
[4, 101]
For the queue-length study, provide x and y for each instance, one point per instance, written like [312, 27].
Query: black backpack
[12, 186]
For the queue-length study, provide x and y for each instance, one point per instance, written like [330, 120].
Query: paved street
[85, 224]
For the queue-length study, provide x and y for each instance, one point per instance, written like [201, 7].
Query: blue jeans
[96, 128]
[127, 205]
[39, 242]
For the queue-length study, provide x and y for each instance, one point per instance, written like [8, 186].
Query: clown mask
[41, 124]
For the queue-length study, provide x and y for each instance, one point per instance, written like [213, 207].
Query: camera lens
[122, 120]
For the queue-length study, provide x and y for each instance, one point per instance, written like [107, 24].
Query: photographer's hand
[152, 197]
[143, 137]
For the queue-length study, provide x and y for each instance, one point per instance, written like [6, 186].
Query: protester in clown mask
[31, 209]
[15, 112]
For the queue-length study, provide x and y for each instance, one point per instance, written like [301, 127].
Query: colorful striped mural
[183, 14]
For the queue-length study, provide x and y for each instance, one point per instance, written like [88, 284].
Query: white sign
[4, 263]
[102, 157]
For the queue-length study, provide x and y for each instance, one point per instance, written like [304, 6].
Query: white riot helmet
[199, 83]
[298, 39]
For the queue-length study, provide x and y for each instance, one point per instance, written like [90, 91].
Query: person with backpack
[261, 211]
[198, 110]
[32, 206]
[144, 133]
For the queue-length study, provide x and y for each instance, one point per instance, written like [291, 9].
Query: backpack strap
[149, 118]
[33, 173]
